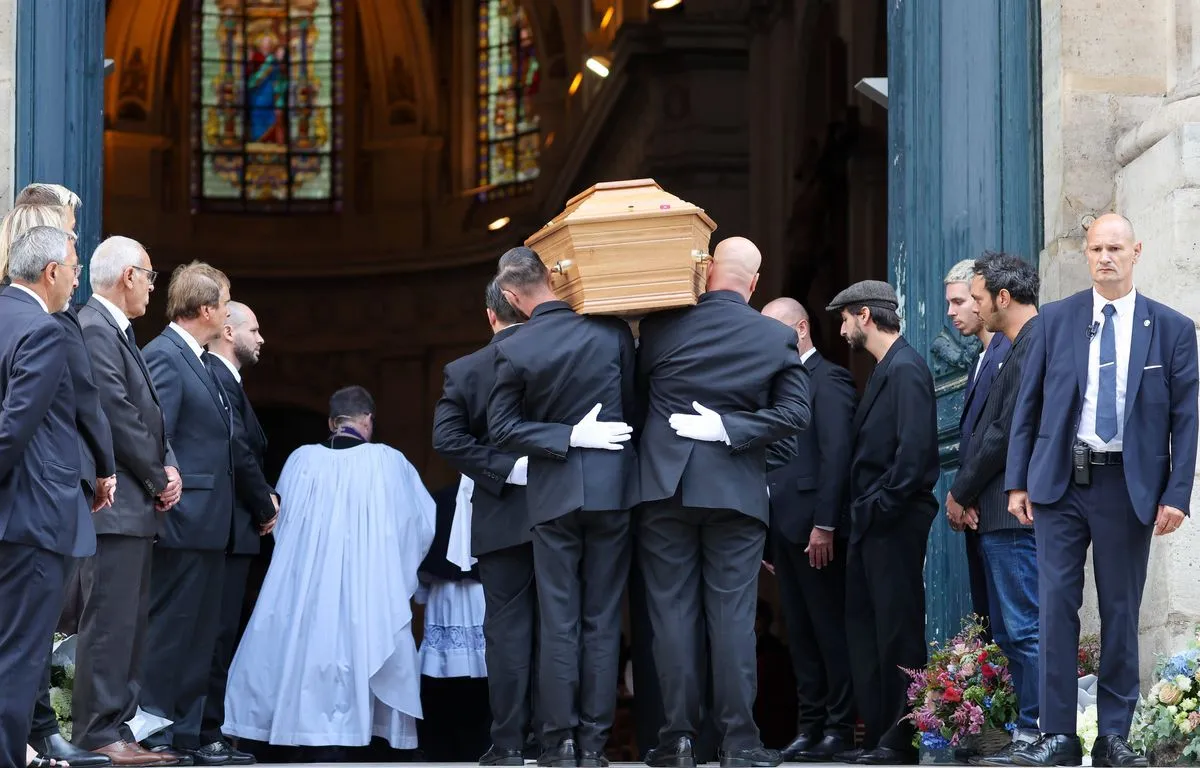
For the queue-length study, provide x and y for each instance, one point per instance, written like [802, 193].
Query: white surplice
[328, 657]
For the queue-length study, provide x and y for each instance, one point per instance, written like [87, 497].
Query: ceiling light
[599, 65]
[662, 5]
[607, 17]
[575, 83]
[499, 223]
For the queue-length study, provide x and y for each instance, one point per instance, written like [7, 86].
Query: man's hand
[269, 526]
[820, 548]
[706, 426]
[1020, 507]
[603, 435]
[1169, 520]
[106, 493]
[520, 472]
[954, 514]
[174, 490]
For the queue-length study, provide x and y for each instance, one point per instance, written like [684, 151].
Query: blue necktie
[1106, 399]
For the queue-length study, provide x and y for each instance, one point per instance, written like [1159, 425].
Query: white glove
[520, 472]
[707, 426]
[606, 435]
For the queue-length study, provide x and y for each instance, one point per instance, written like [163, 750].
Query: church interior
[357, 166]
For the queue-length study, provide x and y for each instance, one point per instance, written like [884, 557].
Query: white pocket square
[1151, 367]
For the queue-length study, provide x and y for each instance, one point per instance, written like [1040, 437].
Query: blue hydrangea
[1010, 727]
[931, 740]
[987, 702]
[1182, 663]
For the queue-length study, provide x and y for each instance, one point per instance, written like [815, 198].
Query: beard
[857, 340]
[246, 355]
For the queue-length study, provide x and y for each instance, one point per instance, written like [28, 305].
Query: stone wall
[8, 100]
[1121, 131]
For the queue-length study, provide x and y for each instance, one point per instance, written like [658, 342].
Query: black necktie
[207, 359]
[129, 335]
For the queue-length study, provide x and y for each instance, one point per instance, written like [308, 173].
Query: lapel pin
[1146, 323]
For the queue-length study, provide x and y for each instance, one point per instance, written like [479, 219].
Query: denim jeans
[1010, 559]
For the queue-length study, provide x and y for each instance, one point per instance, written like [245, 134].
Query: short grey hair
[962, 272]
[36, 249]
[112, 258]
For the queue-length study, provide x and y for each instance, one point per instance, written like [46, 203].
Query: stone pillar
[8, 100]
[1113, 141]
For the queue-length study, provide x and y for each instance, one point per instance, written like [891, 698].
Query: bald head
[1112, 253]
[792, 314]
[239, 315]
[1112, 225]
[735, 267]
[240, 341]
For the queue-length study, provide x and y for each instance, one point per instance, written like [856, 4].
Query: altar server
[328, 658]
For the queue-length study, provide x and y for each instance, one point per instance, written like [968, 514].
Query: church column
[8, 95]
[60, 131]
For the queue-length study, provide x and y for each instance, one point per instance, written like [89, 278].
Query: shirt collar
[189, 339]
[41, 303]
[804, 358]
[117, 315]
[1124, 305]
[237, 375]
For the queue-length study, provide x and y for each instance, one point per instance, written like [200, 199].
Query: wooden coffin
[626, 248]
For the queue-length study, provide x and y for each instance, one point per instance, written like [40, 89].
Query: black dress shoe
[502, 756]
[590, 758]
[223, 748]
[1111, 750]
[562, 756]
[1051, 749]
[850, 756]
[825, 750]
[801, 743]
[55, 747]
[889, 756]
[181, 758]
[210, 754]
[680, 754]
[755, 757]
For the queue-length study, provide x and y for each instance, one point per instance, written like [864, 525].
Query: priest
[328, 658]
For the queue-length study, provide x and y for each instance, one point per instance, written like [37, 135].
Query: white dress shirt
[804, 358]
[1123, 328]
[117, 315]
[41, 303]
[237, 375]
[190, 339]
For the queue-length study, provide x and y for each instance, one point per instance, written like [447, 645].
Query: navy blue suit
[189, 555]
[40, 503]
[979, 383]
[1116, 512]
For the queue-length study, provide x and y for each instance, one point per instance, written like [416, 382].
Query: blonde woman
[49, 748]
[52, 194]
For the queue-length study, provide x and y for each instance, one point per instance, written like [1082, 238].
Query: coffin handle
[701, 257]
[561, 267]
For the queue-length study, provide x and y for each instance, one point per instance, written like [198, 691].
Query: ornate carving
[952, 354]
[132, 87]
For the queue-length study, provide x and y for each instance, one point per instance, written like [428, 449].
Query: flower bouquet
[1166, 725]
[62, 680]
[964, 696]
[1089, 655]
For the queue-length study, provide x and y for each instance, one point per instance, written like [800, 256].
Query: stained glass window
[267, 96]
[508, 136]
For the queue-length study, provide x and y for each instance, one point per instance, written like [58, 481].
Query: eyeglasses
[77, 267]
[151, 275]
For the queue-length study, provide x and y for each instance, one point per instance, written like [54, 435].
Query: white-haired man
[116, 582]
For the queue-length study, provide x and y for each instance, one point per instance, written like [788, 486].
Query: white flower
[1087, 727]
[1186, 726]
[1183, 683]
[1188, 705]
[1172, 710]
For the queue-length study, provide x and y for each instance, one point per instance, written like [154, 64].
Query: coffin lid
[618, 201]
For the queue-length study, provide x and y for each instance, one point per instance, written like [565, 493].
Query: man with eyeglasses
[116, 581]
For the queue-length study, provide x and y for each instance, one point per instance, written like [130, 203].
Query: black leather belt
[1103, 458]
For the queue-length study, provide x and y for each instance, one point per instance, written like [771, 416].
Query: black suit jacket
[40, 497]
[139, 438]
[979, 383]
[95, 435]
[252, 505]
[435, 566]
[895, 464]
[548, 377]
[499, 514]
[980, 479]
[200, 431]
[811, 488]
[727, 357]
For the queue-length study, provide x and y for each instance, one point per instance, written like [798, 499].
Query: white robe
[328, 657]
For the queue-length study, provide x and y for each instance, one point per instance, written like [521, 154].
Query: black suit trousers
[885, 624]
[701, 569]
[581, 564]
[185, 606]
[1099, 515]
[112, 639]
[31, 594]
[233, 593]
[814, 612]
[510, 632]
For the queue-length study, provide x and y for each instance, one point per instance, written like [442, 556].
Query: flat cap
[869, 293]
